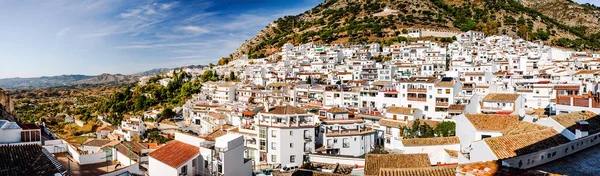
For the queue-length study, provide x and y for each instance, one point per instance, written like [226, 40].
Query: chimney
[582, 129]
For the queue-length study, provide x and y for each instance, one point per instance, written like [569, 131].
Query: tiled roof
[374, 162]
[401, 110]
[448, 83]
[566, 87]
[285, 110]
[520, 144]
[585, 72]
[505, 124]
[430, 141]
[214, 135]
[569, 120]
[127, 152]
[392, 123]
[501, 97]
[427, 171]
[457, 107]
[452, 153]
[175, 153]
[337, 110]
[109, 128]
[26, 160]
[217, 116]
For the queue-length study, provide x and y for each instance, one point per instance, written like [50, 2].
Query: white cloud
[166, 6]
[163, 45]
[63, 32]
[192, 29]
[131, 13]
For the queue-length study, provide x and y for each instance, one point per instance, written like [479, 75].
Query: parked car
[289, 167]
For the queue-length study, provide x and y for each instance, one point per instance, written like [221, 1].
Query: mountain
[71, 80]
[359, 21]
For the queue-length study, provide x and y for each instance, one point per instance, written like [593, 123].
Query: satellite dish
[521, 113]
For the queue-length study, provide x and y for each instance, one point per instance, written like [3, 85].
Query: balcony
[307, 137]
[423, 99]
[307, 149]
[444, 104]
[417, 90]
[346, 145]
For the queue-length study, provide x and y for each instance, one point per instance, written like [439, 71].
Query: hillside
[73, 80]
[360, 21]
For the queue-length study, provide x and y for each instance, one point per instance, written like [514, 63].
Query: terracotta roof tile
[427, 171]
[337, 110]
[401, 110]
[457, 107]
[392, 123]
[569, 120]
[505, 124]
[374, 162]
[525, 143]
[175, 153]
[501, 97]
[285, 110]
[452, 153]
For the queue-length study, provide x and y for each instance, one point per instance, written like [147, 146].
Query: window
[273, 146]
[184, 170]
[426, 108]
[291, 145]
[273, 158]
[485, 136]
[194, 163]
[273, 134]
[205, 163]
[263, 144]
[292, 158]
[447, 91]
[262, 133]
[439, 91]
[345, 143]
[291, 133]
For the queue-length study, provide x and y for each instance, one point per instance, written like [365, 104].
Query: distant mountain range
[72, 80]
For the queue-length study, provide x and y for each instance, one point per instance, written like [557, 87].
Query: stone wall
[6, 102]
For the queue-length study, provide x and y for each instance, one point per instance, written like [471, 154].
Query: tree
[232, 76]
[378, 150]
[404, 31]
[445, 129]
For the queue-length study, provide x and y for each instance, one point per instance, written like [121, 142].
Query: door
[395, 117]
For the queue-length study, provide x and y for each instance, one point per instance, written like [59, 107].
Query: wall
[234, 162]
[6, 101]
[336, 159]
[123, 159]
[10, 135]
[189, 139]
[92, 158]
[481, 152]
[436, 152]
[157, 168]
[134, 168]
[541, 157]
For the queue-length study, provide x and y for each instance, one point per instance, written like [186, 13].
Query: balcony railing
[441, 104]
[417, 90]
[417, 99]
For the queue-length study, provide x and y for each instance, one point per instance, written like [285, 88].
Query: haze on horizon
[49, 38]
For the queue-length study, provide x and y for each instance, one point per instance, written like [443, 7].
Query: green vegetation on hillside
[355, 23]
[140, 98]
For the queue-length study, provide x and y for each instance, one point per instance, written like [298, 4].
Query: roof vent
[582, 129]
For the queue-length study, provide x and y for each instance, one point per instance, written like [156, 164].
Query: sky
[49, 38]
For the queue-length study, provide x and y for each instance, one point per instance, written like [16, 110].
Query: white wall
[481, 152]
[10, 135]
[336, 159]
[92, 158]
[560, 151]
[188, 139]
[134, 168]
[157, 168]
[436, 152]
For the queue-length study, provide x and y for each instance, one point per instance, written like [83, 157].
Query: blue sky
[47, 38]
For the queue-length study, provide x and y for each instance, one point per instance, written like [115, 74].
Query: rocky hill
[72, 80]
[360, 21]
